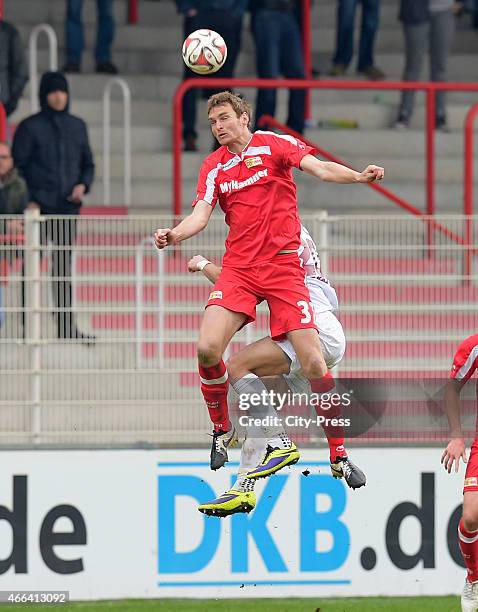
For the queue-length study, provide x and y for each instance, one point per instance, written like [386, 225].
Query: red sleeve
[292, 150]
[207, 187]
[465, 361]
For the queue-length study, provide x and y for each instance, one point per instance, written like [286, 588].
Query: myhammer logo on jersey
[230, 186]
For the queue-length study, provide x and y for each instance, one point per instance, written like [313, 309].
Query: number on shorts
[305, 308]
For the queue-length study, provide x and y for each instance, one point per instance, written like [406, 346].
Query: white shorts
[332, 342]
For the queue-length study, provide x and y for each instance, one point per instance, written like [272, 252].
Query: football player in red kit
[465, 364]
[250, 176]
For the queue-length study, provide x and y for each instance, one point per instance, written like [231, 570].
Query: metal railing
[133, 11]
[33, 59]
[126, 95]
[468, 160]
[307, 51]
[32, 329]
[431, 224]
[148, 244]
[430, 90]
[3, 123]
[403, 313]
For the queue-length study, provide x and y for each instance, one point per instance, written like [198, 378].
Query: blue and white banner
[106, 524]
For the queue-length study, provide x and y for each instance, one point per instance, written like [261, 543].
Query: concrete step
[147, 87]
[150, 196]
[158, 166]
[153, 12]
[367, 114]
[143, 138]
[143, 112]
[134, 53]
[143, 87]
[380, 143]
[150, 35]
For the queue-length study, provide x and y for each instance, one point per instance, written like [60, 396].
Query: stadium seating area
[148, 58]
[402, 310]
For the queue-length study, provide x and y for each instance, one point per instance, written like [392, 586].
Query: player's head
[229, 116]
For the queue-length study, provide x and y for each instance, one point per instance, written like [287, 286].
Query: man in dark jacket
[52, 152]
[13, 69]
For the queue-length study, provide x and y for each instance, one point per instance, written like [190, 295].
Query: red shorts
[471, 474]
[279, 282]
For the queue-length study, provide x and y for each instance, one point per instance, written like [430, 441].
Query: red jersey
[465, 361]
[257, 192]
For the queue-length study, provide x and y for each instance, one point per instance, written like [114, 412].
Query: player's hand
[371, 174]
[193, 263]
[453, 453]
[163, 238]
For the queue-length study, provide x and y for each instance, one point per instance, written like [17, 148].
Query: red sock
[214, 386]
[468, 541]
[335, 433]
[323, 384]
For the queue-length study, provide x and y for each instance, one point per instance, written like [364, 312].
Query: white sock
[243, 484]
[252, 452]
[251, 384]
[282, 441]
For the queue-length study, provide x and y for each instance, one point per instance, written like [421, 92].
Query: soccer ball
[204, 51]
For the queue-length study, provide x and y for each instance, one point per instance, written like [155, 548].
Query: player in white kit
[268, 449]
[268, 358]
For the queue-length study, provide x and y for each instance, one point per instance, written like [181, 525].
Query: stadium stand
[402, 310]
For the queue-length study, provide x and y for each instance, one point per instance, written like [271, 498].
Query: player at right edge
[465, 363]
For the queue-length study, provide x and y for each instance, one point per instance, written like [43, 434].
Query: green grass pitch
[362, 604]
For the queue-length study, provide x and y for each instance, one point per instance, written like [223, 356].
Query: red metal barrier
[132, 11]
[468, 187]
[430, 153]
[3, 123]
[430, 223]
[429, 88]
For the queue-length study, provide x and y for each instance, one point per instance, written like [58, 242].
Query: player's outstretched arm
[190, 226]
[198, 263]
[337, 173]
[455, 449]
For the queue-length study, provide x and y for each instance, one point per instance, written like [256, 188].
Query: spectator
[74, 36]
[52, 152]
[345, 38]
[278, 51]
[427, 24]
[13, 201]
[13, 69]
[225, 18]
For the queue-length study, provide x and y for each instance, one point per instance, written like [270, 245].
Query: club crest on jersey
[215, 295]
[471, 482]
[253, 161]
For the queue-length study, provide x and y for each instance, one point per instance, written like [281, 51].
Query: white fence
[404, 308]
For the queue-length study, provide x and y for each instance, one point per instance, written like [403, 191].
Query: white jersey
[322, 294]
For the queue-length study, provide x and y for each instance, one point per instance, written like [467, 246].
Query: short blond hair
[240, 105]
